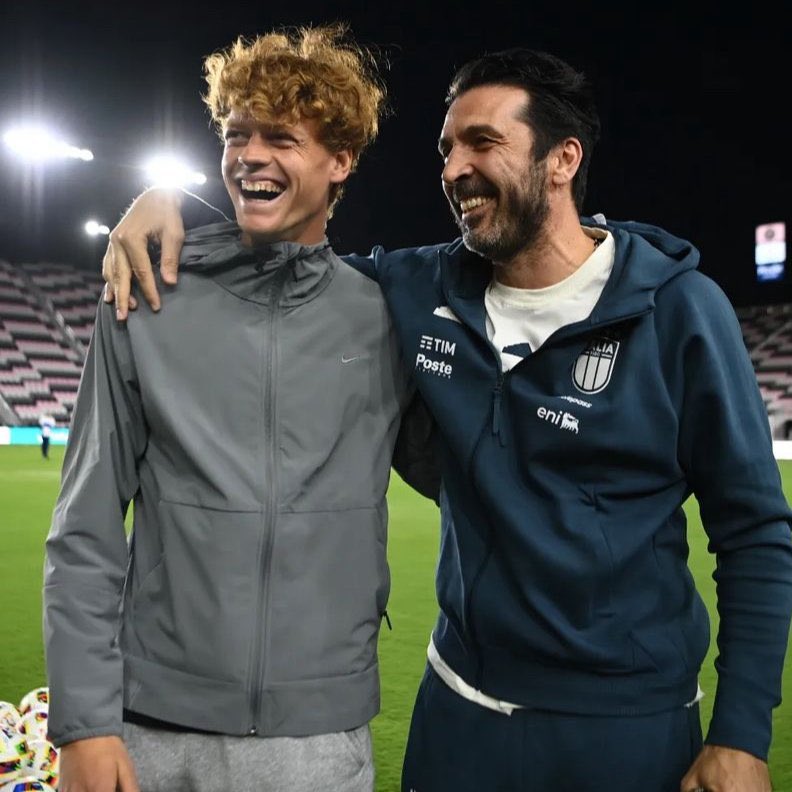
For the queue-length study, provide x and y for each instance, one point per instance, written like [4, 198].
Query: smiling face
[279, 178]
[496, 189]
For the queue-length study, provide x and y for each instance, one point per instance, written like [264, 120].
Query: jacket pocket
[194, 611]
[329, 583]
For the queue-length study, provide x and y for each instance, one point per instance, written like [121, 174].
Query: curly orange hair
[302, 73]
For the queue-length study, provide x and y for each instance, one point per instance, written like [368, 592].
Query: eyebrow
[268, 130]
[468, 133]
[280, 132]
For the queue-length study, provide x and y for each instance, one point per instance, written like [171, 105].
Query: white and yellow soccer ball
[9, 716]
[27, 784]
[34, 699]
[14, 755]
[44, 761]
[33, 724]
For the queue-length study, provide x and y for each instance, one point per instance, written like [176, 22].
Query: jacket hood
[647, 257]
[216, 251]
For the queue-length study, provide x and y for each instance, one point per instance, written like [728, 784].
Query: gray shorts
[170, 761]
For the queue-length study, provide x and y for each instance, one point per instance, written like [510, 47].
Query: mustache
[473, 188]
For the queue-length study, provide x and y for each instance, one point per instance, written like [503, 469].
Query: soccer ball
[44, 761]
[14, 755]
[27, 784]
[38, 697]
[10, 768]
[34, 724]
[9, 716]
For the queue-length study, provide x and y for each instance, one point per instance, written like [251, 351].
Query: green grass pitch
[28, 486]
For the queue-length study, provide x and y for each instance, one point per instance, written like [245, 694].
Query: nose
[256, 152]
[457, 166]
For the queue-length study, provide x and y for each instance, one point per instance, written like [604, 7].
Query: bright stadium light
[92, 228]
[167, 171]
[36, 144]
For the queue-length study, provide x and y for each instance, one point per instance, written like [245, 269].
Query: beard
[517, 221]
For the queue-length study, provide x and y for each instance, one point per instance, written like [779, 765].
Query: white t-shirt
[521, 320]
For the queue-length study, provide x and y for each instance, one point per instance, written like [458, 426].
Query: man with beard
[585, 380]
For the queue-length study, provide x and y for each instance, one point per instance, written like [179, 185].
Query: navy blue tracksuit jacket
[562, 580]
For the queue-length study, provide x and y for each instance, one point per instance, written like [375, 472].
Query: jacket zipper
[270, 486]
[497, 406]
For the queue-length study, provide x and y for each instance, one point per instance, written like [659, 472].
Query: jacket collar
[288, 271]
[647, 257]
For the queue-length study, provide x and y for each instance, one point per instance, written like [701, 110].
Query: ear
[341, 166]
[565, 160]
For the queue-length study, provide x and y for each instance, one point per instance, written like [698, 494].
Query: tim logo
[437, 345]
[594, 366]
[560, 418]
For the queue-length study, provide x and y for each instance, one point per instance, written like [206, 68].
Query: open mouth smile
[469, 204]
[260, 189]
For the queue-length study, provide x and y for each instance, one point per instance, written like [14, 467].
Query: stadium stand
[767, 332]
[46, 320]
[47, 314]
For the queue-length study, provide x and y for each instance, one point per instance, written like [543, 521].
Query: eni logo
[560, 418]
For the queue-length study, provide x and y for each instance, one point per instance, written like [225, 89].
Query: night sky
[692, 105]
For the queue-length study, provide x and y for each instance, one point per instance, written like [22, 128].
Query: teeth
[472, 203]
[262, 186]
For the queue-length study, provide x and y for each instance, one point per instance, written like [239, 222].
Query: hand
[96, 764]
[154, 215]
[719, 769]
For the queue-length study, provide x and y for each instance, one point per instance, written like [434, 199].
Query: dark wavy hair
[560, 101]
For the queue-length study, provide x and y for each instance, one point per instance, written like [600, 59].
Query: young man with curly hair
[231, 642]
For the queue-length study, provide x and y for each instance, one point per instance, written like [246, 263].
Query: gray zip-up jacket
[252, 424]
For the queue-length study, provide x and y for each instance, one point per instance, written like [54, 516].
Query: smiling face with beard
[496, 189]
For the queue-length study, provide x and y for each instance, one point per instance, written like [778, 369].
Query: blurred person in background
[47, 424]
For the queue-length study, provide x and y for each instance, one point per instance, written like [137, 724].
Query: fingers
[115, 268]
[108, 293]
[136, 252]
[171, 243]
[121, 282]
[107, 273]
[127, 780]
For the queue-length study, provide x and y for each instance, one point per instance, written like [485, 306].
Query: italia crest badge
[594, 366]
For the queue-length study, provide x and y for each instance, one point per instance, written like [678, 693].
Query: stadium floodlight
[36, 144]
[167, 171]
[93, 228]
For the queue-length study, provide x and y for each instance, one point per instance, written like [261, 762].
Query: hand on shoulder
[155, 215]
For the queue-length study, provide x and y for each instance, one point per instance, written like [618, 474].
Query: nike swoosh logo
[345, 359]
